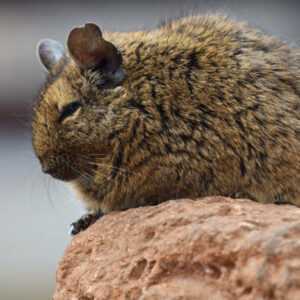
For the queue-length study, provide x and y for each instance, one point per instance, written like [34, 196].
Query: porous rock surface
[214, 248]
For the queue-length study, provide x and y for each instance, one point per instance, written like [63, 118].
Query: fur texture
[208, 107]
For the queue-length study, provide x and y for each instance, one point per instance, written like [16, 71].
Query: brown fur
[207, 107]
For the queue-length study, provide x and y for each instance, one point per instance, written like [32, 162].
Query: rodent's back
[223, 94]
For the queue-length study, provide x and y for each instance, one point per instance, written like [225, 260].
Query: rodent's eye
[68, 110]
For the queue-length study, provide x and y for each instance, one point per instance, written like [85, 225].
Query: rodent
[200, 106]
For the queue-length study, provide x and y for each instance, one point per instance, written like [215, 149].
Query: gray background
[35, 209]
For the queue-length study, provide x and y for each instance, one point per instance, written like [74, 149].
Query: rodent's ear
[50, 52]
[91, 52]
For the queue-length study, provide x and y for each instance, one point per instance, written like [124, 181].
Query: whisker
[92, 154]
[83, 174]
[47, 182]
[116, 169]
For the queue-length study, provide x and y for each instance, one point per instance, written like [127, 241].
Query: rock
[214, 248]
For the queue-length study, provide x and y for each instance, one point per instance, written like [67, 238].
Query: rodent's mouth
[66, 177]
[67, 167]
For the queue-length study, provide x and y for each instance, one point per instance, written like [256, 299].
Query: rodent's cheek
[82, 137]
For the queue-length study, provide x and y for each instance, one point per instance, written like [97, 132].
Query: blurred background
[36, 210]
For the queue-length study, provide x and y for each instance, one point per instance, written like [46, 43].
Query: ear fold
[91, 52]
[50, 52]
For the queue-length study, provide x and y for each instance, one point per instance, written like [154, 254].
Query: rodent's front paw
[84, 222]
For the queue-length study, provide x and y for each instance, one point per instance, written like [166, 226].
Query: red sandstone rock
[214, 248]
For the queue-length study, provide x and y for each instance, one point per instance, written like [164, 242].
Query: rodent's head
[72, 117]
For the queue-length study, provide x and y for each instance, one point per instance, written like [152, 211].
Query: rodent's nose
[61, 172]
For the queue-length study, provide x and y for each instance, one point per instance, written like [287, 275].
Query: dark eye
[68, 110]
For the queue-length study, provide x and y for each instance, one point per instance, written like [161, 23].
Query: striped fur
[208, 107]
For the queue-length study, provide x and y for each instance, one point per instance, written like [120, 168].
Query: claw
[84, 222]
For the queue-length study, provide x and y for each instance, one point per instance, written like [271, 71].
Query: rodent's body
[207, 107]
